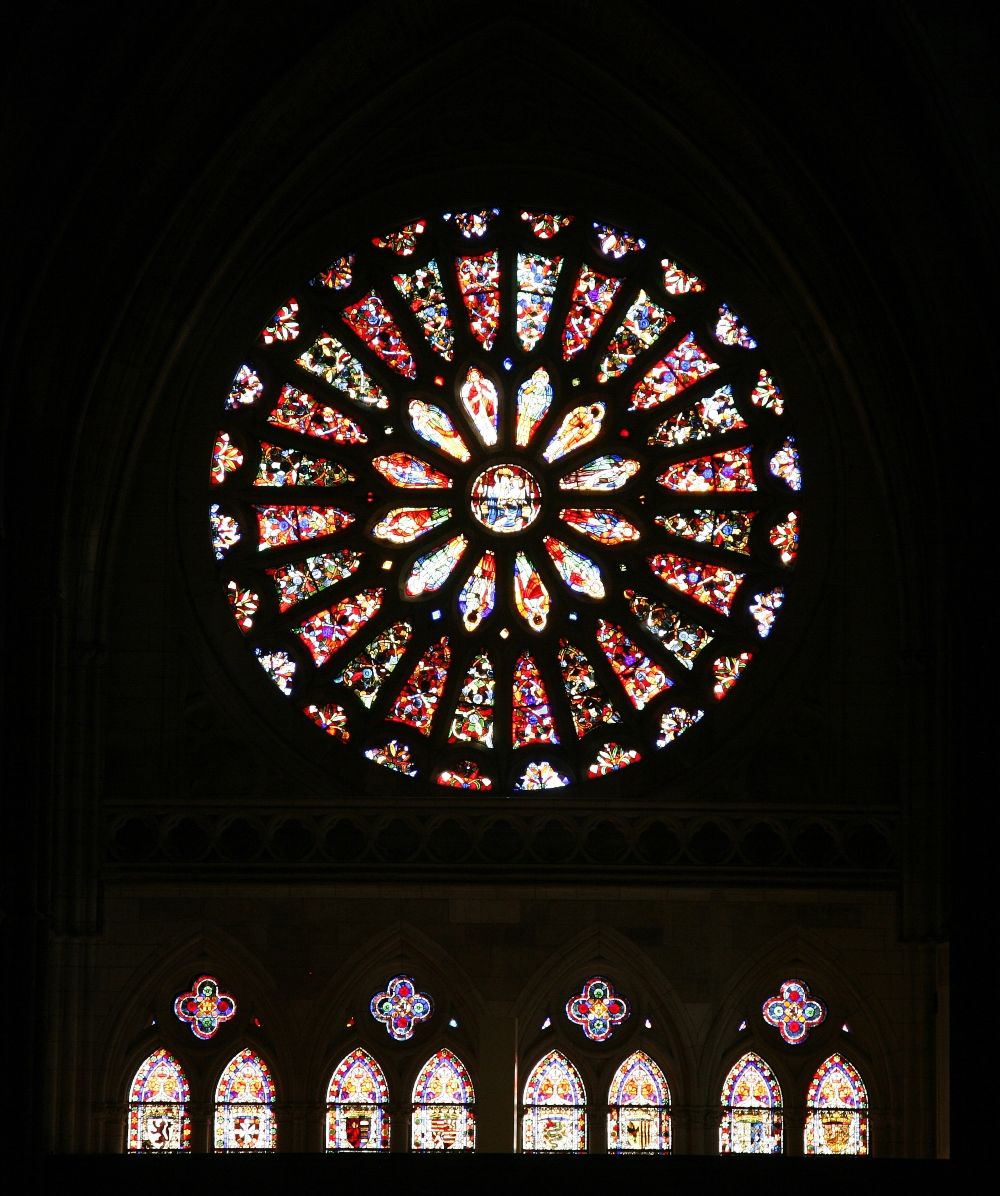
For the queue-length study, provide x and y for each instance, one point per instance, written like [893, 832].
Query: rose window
[504, 501]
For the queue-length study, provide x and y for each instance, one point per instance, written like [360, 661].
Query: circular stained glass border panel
[504, 500]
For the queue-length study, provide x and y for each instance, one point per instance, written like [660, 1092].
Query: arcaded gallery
[480, 616]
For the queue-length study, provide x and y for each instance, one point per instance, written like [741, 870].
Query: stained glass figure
[793, 1012]
[588, 703]
[685, 365]
[401, 1007]
[244, 603]
[473, 224]
[764, 608]
[726, 472]
[767, 394]
[534, 397]
[403, 241]
[612, 757]
[284, 324]
[677, 281]
[443, 1096]
[683, 639]
[279, 666]
[205, 1007]
[466, 774]
[727, 670]
[158, 1118]
[785, 464]
[577, 571]
[279, 526]
[784, 537]
[720, 529]
[403, 525]
[418, 699]
[597, 1009]
[644, 323]
[531, 717]
[554, 1117]
[336, 277]
[729, 330]
[712, 585]
[357, 1099]
[615, 242]
[674, 722]
[610, 472]
[473, 720]
[711, 416]
[546, 224]
[642, 679]
[505, 498]
[482, 402]
[837, 1104]
[579, 427]
[593, 295]
[432, 570]
[478, 595]
[300, 412]
[226, 458]
[605, 526]
[244, 1117]
[540, 774]
[409, 472]
[639, 1107]
[299, 580]
[479, 283]
[424, 292]
[288, 467]
[369, 669]
[225, 531]
[246, 389]
[326, 632]
[435, 426]
[751, 1109]
[530, 595]
[537, 276]
[395, 756]
[328, 359]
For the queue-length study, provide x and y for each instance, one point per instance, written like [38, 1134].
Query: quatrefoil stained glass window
[504, 500]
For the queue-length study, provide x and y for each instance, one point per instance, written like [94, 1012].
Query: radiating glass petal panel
[418, 699]
[727, 472]
[642, 679]
[785, 464]
[279, 666]
[764, 608]
[432, 570]
[337, 277]
[674, 722]
[727, 671]
[402, 525]
[424, 293]
[473, 224]
[301, 579]
[541, 775]
[330, 718]
[531, 717]
[612, 757]
[588, 703]
[326, 632]
[473, 719]
[365, 674]
[409, 472]
[677, 281]
[534, 397]
[225, 531]
[767, 394]
[711, 585]
[530, 595]
[711, 416]
[300, 412]
[246, 389]
[546, 224]
[478, 595]
[729, 330]
[244, 603]
[610, 472]
[479, 282]
[289, 467]
[466, 774]
[279, 526]
[403, 241]
[683, 639]
[434, 425]
[784, 537]
[226, 458]
[577, 571]
[604, 526]
[283, 326]
[537, 276]
[328, 359]
[644, 321]
[721, 529]
[579, 427]
[615, 242]
[394, 755]
[682, 367]
[371, 320]
[593, 295]
[481, 401]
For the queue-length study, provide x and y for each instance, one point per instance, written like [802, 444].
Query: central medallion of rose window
[506, 499]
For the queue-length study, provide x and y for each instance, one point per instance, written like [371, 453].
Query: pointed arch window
[751, 1109]
[357, 1114]
[837, 1110]
[443, 1096]
[158, 1106]
[555, 1107]
[244, 1100]
[639, 1107]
